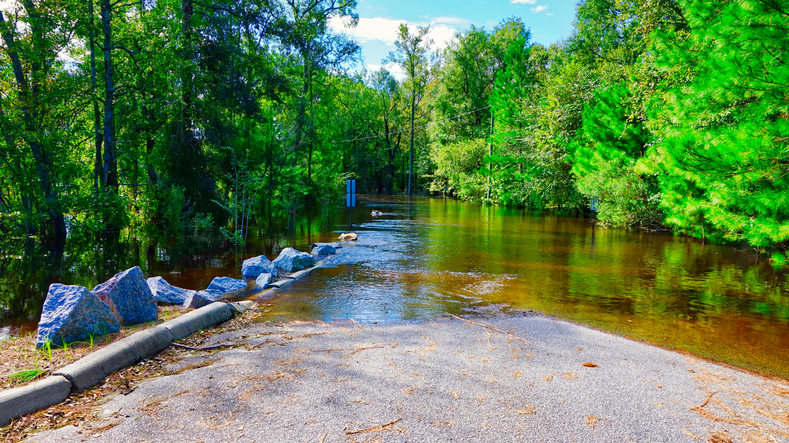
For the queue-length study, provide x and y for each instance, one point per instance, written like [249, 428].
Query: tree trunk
[411, 151]
[490, 154]
[301, 116]
[390, 154]
[97, 132]
[28, 99]
[187, 131]
[152, 177]
[309, 165]
[110, 172]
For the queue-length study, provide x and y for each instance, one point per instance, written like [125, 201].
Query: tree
[411, 54]
[303, 28]
[536, 102]
[611, 144]
[724, 153]
[389, 96]
[464, 81]
[31, 62]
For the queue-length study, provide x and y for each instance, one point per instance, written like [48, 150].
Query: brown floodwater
[426, 257]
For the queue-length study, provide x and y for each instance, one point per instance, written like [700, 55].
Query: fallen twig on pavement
[374, 428]
[352, 350]
[707, 400]
[207, 348]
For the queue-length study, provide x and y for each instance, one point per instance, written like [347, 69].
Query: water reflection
[425, 257]
[27, 268]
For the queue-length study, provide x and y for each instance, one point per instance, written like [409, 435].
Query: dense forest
[169, 116]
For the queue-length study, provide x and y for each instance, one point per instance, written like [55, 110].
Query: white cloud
[385, 30]
[459, 21]
[441, 34]
[442, 29]
[368, 29]
[539, 8]
[523, 2]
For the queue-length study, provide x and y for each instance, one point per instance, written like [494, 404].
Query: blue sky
[549, 21]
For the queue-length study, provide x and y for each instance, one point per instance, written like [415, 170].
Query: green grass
[24, 376]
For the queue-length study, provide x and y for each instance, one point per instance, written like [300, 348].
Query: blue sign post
[350, 197]
[350, 194]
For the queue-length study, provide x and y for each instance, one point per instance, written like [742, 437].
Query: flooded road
[425, 257]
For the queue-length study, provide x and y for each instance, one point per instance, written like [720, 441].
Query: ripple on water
[435, 256]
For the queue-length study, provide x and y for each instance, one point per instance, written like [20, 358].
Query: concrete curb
[296, 275]
[299, 274]
[281, 284]
[92, 368]
[198, 319]
[29, 398]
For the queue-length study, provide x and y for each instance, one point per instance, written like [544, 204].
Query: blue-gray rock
[165, 293]
[324, 249]
[72, 314]
[129, 297]
[263, 280]
[291, 260]
[198, 299]
[227, 284]
[255, 266]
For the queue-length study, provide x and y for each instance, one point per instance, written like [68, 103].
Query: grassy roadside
[22, 363]
[79, 409]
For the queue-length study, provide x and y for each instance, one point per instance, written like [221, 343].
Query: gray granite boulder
[324, 249]
[227, 284]
[291, 260]
[72, 314]
[165, 293]
[255, 266]
[129, 297]
[263, 280]
[198, 299]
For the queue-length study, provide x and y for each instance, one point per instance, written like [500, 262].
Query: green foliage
[530, 166]
[457, 166]
[607, 150]
[412, 53]
[466, 82]
[723, 156]
[779, 259]
[237, 113]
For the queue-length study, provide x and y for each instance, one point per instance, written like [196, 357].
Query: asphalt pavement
[516, 378]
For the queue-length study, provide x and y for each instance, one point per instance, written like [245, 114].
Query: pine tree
[725, 149]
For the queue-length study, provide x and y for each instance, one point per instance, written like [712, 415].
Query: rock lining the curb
[291, 260]
[128, 295]
[165, 293]
[72, 313]
[253, 267]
